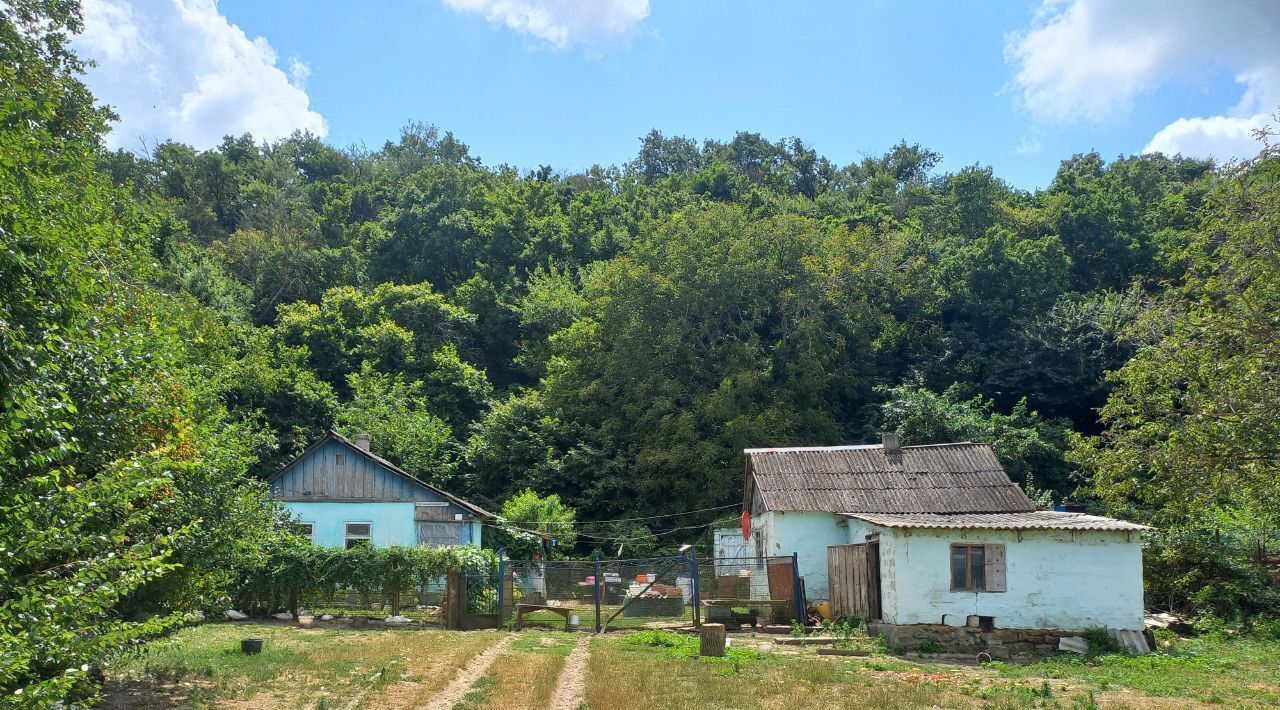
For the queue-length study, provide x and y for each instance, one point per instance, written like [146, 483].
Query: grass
[299, 667]
[524, 675]
[1212, 671]
[373, 668]
[662, 672]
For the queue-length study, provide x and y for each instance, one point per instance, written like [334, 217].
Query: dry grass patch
[298, 668]
[525, 675]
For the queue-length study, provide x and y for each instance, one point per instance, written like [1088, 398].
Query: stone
[711, 640]
[283, 616]
[233, 615]
[397, 620]
[1074, 644]
[198, 616]
[327, 617]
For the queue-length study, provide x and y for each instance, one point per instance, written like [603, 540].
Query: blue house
[342, 495]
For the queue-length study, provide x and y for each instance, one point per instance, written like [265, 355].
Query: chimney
[362, 442]
[892, 444]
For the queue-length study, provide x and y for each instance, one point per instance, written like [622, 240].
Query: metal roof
[332, 435]
[936, 478]
[1034, 520]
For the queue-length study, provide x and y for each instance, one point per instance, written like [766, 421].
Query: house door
[853, 578]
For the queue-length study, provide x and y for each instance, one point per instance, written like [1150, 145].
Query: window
[977, 568]
[340, 459]
[358, 534]
[306, 530]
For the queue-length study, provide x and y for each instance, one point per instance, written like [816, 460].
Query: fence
[650, 592]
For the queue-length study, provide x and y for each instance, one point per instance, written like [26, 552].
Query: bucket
[251, 645]
[574, 623]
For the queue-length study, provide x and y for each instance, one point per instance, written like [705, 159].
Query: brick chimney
[892, 443]
[362, 441]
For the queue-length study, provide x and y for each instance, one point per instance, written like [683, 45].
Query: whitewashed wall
[1056, 579]
[808, 534]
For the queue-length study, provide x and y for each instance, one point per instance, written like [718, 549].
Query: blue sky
[1015, 85]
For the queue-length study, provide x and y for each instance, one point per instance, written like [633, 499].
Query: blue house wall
[389, 523]
[335, 483]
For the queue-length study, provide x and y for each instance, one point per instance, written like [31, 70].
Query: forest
[177, 324]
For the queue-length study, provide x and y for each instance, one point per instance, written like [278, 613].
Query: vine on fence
[292, 569]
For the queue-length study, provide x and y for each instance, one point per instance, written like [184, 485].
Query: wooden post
[711, 640]
[395, 587]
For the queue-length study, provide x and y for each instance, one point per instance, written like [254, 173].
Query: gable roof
[384, 464]
[934, 478]
[1034, 520]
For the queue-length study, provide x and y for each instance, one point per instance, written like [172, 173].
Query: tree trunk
[712, 640]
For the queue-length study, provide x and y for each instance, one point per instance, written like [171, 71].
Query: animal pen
[604, 594]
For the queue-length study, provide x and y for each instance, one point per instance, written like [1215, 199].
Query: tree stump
[711, 640]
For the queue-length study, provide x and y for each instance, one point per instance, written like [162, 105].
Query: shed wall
[1055, 579]
[808, 534]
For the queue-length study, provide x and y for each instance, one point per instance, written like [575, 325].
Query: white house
[938, 535]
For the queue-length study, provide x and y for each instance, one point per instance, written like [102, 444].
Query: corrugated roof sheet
[941, 478]
[1034, 520]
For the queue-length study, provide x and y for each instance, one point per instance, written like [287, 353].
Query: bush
[292, 569]
[1198, 573]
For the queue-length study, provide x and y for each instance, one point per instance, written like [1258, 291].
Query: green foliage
[292, 568]
[545, 515]
[1029, 446]
[930, 646]
[1207, 572]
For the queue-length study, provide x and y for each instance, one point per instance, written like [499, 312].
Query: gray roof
[936, 478]
[1035, 520]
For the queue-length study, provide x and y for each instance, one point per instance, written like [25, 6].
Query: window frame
[348, 538]
[310, 527]
[969, 587]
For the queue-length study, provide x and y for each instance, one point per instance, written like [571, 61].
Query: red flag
[746, 525]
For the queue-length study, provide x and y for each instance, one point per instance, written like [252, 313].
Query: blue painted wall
[391, 523]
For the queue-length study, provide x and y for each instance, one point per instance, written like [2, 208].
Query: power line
[625, 520]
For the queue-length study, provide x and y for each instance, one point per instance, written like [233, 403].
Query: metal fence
[651, 592]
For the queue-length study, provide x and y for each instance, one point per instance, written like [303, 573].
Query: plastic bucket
[251, 645]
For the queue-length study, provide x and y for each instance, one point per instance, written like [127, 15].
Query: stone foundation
[1000, 644]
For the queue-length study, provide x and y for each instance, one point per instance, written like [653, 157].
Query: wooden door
[847, 581]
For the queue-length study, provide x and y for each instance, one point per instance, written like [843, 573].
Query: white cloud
[177, 69]
[561, 22]
[1090, 59]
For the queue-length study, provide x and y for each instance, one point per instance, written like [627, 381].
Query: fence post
[502, 584]
[695, 587]
[797, 590]
[597, 590]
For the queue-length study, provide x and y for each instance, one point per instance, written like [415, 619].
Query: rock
[283, 616]
[198, 616]
[327, 617]
[233, 615]
[398, 620]
[1074, 644]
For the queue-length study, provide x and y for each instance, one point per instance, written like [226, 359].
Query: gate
[853, 576]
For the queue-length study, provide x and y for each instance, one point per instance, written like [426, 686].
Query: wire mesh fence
[652, 592]
[423, 603]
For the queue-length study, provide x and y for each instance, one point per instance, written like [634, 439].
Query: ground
[340, 666]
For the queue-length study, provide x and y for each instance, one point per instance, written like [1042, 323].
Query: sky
[1018, 85]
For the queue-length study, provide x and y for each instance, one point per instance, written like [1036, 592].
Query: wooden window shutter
[994, 567]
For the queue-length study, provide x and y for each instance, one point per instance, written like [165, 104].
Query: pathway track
[572, 686]
[469, 674]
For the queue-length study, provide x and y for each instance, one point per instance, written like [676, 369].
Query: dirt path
[572, 686]
[461, 683]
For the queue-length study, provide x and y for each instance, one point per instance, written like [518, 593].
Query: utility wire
[627, 520]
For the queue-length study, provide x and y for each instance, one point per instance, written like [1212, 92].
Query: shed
[939, 534]
[342, 494]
